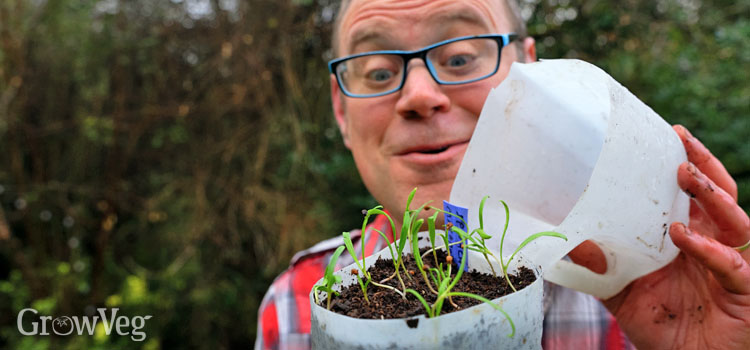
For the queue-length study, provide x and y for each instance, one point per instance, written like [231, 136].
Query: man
[408, 125]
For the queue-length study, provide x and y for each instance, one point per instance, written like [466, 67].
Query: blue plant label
[458, 219]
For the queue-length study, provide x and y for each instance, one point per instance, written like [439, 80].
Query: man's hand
[701, 300]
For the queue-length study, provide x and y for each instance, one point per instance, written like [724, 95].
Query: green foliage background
[168, 157]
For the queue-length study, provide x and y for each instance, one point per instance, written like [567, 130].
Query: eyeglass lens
[454, 62]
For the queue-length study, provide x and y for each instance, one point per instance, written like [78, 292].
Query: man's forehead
[384, 21]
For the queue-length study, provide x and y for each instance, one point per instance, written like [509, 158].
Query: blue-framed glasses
[451, 62]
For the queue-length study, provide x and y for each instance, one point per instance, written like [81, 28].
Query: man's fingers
[728, 266]
[730, 219]
[590, 256]
[699, 155]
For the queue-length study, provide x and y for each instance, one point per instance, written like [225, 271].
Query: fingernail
[687, 230]
[691, 168]
[686, 131]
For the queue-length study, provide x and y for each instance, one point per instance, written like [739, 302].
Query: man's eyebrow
[459, 16]
[441, 22]
[364, 36]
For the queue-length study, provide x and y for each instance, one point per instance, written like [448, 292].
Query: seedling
[363, 284]
[445, 283]
[408, 226]
[439, 278]
[526, 241]
[478, 244]
[329, 279]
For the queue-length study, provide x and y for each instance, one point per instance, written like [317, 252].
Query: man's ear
[339, 110]
[529, 49]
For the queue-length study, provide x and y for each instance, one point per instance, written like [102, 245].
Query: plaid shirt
[572, 320]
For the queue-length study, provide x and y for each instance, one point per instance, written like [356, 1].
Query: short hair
[511, 6]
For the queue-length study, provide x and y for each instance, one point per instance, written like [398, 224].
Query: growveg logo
[80, 325]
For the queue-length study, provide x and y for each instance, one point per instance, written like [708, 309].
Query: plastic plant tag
[571, 150]
[458, 219]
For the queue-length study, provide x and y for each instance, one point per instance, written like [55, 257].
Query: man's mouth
[434, 150]
[429, 149]
[431, 155]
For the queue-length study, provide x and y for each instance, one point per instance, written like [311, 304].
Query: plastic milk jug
[571, 150]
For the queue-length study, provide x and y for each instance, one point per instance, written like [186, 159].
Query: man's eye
[458, 61]
[380, 75]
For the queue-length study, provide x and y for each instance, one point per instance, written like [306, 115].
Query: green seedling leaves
[505, 228]
[423, 301]
[451, 214]
[465, 236]
[431, 227]
[385, 239]
[350, 249]
[411, 197]
[460, 268]
[415, 244]
[535, 236]
[495, 306]
[378, 211]
[370, 213]
[329, 278]
[363, 286]
[506, 264]
[440, 275]
[481, 211]
[431, 232]
[482, 234]
[404, 231]
[349, 245]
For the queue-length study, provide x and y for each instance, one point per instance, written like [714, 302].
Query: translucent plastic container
[573, 151]
[477, 327]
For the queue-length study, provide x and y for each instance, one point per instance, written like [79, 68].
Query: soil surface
[386, 304]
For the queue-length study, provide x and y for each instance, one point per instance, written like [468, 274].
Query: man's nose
[421, 95]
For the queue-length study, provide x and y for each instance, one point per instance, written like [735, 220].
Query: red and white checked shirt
[572, 320]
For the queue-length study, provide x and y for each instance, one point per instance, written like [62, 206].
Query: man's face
[415, 137]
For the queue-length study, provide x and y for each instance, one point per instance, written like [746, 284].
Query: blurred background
[168, 157]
